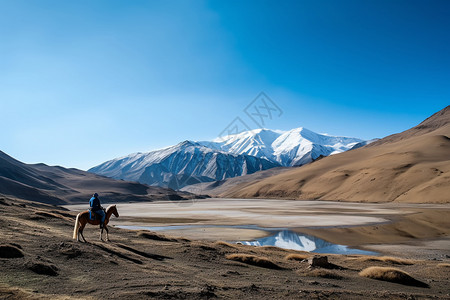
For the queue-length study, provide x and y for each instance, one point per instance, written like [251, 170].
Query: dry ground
[146, 266]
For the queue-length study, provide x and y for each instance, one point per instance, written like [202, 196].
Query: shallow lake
[275, 220]
[278, 237]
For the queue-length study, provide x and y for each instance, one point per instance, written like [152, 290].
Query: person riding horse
[96, 208]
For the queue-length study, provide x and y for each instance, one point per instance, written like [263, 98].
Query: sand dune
[412, 166]
[58, 185]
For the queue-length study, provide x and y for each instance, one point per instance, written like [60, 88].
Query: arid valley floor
[40, 260]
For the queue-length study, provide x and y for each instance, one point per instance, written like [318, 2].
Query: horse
[83, 218]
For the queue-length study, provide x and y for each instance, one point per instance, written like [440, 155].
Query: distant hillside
[216, 188]
[412, 166]
[57, 185]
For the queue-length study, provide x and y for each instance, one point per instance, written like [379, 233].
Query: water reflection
[291, 240]
[281, 237]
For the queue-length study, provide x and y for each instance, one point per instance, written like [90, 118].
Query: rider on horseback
[96, 208]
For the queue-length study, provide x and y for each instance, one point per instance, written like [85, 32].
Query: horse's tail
[77, 226]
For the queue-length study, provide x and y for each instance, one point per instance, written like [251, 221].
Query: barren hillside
[412, 166]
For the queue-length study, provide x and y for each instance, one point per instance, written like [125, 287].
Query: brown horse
[83, 219]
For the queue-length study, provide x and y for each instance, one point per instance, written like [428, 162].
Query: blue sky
[82, 82]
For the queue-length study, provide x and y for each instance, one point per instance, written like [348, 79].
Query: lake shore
[381, 227]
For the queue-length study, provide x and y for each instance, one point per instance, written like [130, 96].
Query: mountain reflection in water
[296, 241]
[281, 237]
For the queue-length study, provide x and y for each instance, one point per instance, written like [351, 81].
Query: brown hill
[412, 166]
[218, 187]
[436, 121]
[58, 185]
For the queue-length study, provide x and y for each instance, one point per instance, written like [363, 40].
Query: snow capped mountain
[180, 165]
[288, 148]
[234, 155]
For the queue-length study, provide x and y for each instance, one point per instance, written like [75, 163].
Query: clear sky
[82, 82]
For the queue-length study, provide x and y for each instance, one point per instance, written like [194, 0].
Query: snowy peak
[288, 148]
[192, 162]
[185, 163]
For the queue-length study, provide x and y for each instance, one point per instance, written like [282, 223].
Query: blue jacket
[94, 203]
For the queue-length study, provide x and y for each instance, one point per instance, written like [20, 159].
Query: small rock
[9, 251]
[318, 261]
[208, 291]
[233, 273]
[71, 252]
[44, 269]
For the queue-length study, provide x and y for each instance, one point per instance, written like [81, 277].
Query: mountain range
[411, 166]
[231, 156]
[295, 147]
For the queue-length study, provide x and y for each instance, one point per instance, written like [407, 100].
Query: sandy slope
[139, 267]
[58, 185]
[412, 166]
[219, 187]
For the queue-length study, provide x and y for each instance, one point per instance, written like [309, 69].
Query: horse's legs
[80, 231]
[101, 233]
[83, 237]
[107, 233]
